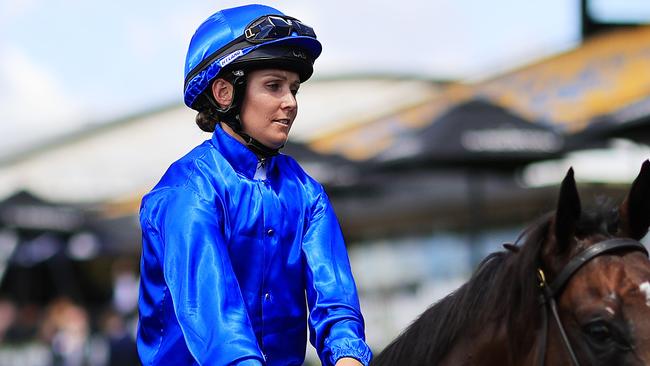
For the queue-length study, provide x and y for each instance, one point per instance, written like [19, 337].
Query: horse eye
[598, 331]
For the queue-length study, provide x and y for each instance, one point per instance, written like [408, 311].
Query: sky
[69, 64]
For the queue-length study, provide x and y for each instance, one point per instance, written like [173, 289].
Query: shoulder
[202, 170]
[178, 201]
[196, 164]
[188, 182]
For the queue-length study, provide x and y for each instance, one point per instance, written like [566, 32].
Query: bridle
[553, 290]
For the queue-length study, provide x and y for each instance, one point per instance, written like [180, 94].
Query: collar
[242, 159]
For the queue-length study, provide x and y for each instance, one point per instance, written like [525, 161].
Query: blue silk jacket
[231, 262]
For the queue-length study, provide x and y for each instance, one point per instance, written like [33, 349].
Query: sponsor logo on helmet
[299, 54]
[230, 58]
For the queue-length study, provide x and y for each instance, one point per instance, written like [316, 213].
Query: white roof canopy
[123, 159]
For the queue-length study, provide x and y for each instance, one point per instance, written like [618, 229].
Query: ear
[635, 210]
[222, 91]
[567, 213]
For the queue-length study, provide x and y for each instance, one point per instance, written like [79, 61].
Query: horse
[573, 289]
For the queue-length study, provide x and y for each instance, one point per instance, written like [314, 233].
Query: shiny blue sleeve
[335, 322]
[205, 293]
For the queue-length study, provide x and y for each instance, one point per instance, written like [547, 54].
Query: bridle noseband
[551, 291]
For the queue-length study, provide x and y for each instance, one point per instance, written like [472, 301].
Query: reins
[551, 291]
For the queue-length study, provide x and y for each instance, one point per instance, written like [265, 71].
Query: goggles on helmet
[270, 27]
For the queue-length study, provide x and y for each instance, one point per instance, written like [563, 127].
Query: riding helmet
[225, 41]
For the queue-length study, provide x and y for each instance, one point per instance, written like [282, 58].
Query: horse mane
[504, 288]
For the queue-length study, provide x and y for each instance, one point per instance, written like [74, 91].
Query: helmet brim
[281, 55]
[309, 44]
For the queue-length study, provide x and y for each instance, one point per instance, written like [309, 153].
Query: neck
[232, 133]
[262, 151]
[487, 346]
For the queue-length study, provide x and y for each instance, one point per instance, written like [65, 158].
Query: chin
[277, 143]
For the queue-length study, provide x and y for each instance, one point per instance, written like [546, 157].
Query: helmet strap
[230, 116]
[254, 145]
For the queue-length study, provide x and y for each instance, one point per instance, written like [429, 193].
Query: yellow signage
[602, 76]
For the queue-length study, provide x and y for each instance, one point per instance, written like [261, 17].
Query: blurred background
[439, 129]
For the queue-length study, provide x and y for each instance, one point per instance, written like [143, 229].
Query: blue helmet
[246, 37]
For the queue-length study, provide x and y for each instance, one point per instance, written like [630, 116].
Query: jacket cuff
[354, 348]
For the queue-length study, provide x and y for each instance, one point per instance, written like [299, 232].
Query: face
[607, 310]
[605, 305]
[270, 105]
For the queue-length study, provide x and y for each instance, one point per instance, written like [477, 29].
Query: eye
[273, 86]
[294, 92]
[598, 331]
[606, 339]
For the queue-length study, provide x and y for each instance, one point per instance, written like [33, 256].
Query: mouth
[283, 121]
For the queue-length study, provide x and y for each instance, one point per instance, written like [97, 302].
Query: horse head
[589, 269]
[604, 302]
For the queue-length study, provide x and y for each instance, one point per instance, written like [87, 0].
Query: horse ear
[635, 209]
[567, 213]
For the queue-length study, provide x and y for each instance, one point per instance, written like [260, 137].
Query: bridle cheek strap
[552, 291]
[548, 302]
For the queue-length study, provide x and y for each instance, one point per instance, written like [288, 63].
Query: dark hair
[207, 120]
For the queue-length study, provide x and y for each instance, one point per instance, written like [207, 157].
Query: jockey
[241, 250]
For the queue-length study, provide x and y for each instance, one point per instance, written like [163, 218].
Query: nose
[289, 101]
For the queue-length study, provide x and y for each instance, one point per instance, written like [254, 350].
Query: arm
[335, 320]
[205, 293]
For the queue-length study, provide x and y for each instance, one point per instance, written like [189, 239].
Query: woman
[235, 235]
